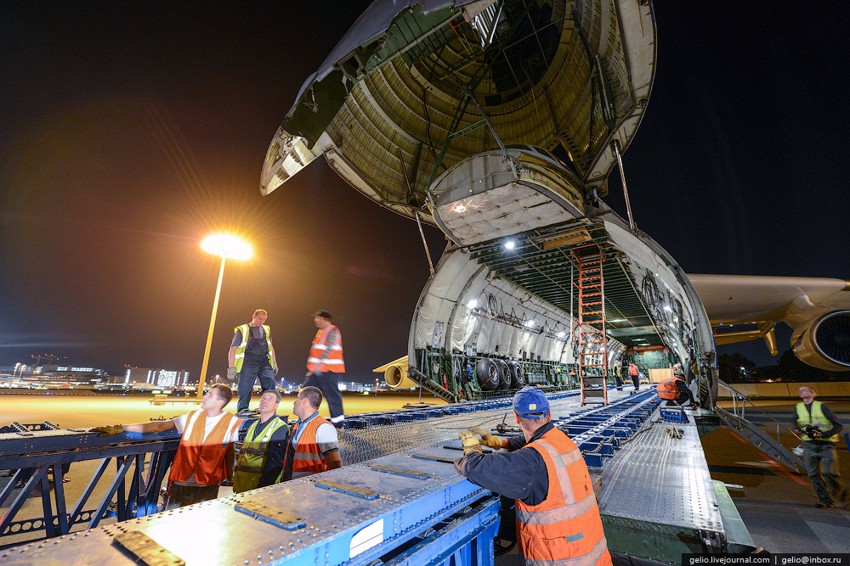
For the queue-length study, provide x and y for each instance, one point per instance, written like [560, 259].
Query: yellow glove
[470, 442]
[492, 441]
[107, 430]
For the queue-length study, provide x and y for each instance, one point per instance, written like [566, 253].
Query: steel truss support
[39, 462]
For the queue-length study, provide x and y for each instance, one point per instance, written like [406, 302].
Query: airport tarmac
[98, 409]
[776, 505]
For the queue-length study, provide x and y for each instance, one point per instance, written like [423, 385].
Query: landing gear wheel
[504, 375]
[487, 374]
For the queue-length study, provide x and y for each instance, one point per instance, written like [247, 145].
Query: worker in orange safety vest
[325, 364]
[313, 446]
[558, 519]
[205, 455]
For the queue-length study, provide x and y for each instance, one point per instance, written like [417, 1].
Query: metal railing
[739, 409]
[126, 475]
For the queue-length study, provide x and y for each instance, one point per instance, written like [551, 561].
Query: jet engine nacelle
[825, 342]
[395, 374]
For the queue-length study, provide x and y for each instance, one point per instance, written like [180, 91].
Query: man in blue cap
[557, 515]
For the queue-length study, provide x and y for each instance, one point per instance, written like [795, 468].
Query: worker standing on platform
[261, 455]
[634, 373]
[313, 445]
[206, 451]
[325, 364]
[558, 518]
[820, 431]
[252, 357]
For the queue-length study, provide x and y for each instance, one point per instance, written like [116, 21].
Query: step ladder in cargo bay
[592, 336]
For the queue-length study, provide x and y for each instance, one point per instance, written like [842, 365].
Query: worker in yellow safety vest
[252, 357]
[820, 432]
[261, 455]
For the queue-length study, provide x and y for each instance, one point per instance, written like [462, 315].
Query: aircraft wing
[816, 308]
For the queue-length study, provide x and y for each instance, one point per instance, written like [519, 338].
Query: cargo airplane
[500, 121]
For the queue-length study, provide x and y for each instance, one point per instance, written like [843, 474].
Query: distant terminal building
[158, 377]
[76, 371]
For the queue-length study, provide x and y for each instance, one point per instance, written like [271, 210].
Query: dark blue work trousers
[253, 369]
[328, 383]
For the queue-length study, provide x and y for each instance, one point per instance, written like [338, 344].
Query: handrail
[744, 400]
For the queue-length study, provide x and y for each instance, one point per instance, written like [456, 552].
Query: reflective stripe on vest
[253, 455]
[565, 528]
[332, 353]
[817, 418]
[308, 458]
[667, 389]
[203, 458]
[245, 329]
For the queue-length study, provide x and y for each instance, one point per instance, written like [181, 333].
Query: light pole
[226, 247]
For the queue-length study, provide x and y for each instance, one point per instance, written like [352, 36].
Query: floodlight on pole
[226, 246]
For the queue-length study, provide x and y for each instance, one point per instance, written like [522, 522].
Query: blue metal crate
[673, 414]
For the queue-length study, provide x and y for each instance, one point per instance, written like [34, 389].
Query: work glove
[231, 373]
[694, 406]
[469, 441]
[274, 368]
[491, 441]
[107, 430]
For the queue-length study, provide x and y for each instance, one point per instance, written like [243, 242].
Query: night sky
[128, 131]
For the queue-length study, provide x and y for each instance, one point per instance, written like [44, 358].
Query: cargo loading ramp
[658, 499]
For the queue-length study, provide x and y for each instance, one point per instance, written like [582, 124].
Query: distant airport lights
[225, 246]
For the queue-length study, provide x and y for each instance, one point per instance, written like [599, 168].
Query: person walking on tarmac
[325, 364]
[558, 519]
[674, 390]
[261, 455]
[252, 356]
[820, 431]
[313, 446]
[205, 454]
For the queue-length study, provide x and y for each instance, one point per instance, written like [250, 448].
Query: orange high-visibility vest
[667, 389]
[333, 362]
[633, 369]
[205, 459]
[565, 529]
[308, 457]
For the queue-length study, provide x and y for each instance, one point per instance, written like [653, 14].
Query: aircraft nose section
[496, 194]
